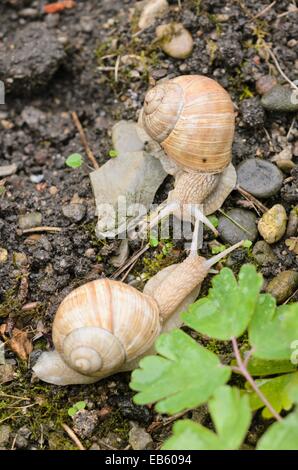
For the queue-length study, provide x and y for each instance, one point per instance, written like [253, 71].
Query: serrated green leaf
[229, 306]
[188, 435]
[183, 376]
[74, 161]
[231, 416]
[273, 330]
[281, 435]
[276, 390]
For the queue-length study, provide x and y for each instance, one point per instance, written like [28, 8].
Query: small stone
[283, 285]
[20, 259]
[3, 255]
[86, 23]
[153, 9]
[8, 170]
[53, 190]
[36, 178]
[139, 439]
[281, 98]
[259, 177]
[5, 432]
[175, 40]
[28, 13]
[85, 422]
[74, 212]
[252, 112]
[265, 84]
[263, 253]
[273, 223]
[23, 434]
[241, 227]
[31, 220]
[292, 228]
[52, 20]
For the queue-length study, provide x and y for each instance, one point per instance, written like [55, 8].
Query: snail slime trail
[118, 460]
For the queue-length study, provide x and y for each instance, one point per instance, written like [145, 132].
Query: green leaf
[214, 220]
[276, 391]
[281, 435]
[192, 436]
[113, 153]
[273, 331]
[74, 161]
[261, 367]
[229, 306]
[231, 415]
[183, 376]
[247, 244]
[153, 242]
[80, 405]
[71, 411]
[217, 249]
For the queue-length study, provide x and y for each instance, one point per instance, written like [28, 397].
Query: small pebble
[252, 112]
[273, 223]
[3, 255]
[265, 84]
[31, 220]
[139, 439]
[263, 254]
[86, 23]
[259, 177]
[231, 232]
[74, 212]
[283, 285]
[175, 40]
[5, 432]
[85, 422]
[8, 170]
[153, 9]
[20, 259]
[292, 228]
[281, 98]
[36, 178]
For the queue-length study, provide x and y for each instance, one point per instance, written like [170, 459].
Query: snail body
[192, 118]
[106, 326]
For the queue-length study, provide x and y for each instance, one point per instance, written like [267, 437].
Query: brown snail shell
[192, 117]
[102, 324]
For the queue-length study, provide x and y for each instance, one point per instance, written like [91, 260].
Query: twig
[251, 198]
[285, 13]
[134, 258]
[30, 306]
[243, 370]
[234, 222]
[73, 436]
[274, 58]
[117, 64]
[262, 12]
[42, 229]
[291, 127]
[84, 139]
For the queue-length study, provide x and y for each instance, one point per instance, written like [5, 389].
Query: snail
[106, 326]
[192, 118]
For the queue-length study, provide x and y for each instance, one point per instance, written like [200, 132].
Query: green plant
[113, 153]
[75, 160]
[184, 374]
[80, 405]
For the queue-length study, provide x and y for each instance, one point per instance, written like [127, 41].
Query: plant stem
[243, 370]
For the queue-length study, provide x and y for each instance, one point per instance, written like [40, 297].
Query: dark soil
[37, 134]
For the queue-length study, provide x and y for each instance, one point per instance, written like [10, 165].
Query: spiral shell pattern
[193, 119]
[103, 324]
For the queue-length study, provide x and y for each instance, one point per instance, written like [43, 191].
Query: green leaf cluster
[184, 374]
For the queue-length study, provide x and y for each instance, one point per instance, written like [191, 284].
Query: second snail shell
[104, 324]
[192, 117]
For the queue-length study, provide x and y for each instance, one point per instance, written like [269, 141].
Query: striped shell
[192, 117]
[103, 324]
